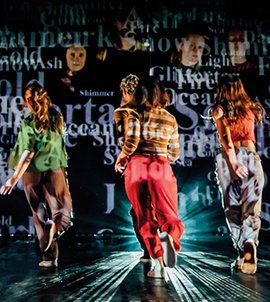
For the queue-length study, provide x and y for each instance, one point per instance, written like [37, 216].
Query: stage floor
[94, 272]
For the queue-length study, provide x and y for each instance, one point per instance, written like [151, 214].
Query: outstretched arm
[226, 142]
[22, 166]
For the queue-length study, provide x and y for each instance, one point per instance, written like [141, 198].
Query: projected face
[126, 35]
[76, 57]
[237, 45]
[191, 50]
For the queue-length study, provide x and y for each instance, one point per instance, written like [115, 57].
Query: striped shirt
[120, 116]
[152, 132]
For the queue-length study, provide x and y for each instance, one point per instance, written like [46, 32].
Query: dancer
[39, 157]
[151, 143]
[238, 167]
[128, 86]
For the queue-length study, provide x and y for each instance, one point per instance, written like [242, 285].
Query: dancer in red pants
[128, 86]
[151, 144]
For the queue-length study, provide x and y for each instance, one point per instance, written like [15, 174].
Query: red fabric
[244, 130]
[151, 188]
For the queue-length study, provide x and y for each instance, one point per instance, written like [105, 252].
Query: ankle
[159, 263]
[157, 273]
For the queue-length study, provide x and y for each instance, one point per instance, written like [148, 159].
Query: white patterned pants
[242, 198]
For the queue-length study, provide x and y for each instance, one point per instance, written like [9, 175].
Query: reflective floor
[94, 271]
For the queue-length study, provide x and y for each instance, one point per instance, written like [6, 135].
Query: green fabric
[49, 147]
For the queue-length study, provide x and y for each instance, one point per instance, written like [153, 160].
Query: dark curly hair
[129, 83]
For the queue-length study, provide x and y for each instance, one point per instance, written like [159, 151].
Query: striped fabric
[121, 115]
[152, 132]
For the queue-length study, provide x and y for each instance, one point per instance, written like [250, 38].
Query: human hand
[240, 170]
[121, 163]
[119, 168]
[8, 186]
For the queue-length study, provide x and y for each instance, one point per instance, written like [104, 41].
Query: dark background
[34, 36]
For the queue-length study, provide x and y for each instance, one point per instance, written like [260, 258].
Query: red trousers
[151, 188]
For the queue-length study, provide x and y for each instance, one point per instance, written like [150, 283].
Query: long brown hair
[151, 93]
[235, 101]
[41, 106]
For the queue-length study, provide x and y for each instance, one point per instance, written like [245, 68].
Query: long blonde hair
[235, 101]
[41, 106]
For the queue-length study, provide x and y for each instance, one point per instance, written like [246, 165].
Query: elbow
[28, 160]
[29, 156]
[173, 157]
[226, 145]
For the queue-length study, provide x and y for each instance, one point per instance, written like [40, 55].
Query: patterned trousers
[242, 198]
